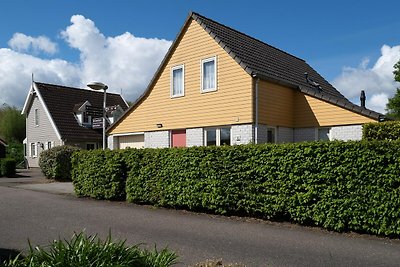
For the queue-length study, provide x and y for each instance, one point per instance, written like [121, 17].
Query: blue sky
[350, 44]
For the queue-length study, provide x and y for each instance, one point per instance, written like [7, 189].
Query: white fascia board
[47, 112]
[126, 134]
[28, 101]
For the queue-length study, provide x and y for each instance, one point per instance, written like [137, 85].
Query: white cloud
[377, 81]
[122, 62]
[23, 43]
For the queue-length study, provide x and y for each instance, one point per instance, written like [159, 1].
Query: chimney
[362, 99]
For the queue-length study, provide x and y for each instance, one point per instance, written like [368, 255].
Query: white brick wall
[242, 134]
[111, 142]
[159, 139]
[285, 135]
[304, 134]
[346, 133]
[194, 137]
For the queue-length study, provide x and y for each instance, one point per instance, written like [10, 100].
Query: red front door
[178, 138]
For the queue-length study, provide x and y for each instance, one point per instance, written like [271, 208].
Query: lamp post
[101, 86]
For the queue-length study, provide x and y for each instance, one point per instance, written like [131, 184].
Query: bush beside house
[99, 174]
[342, 186]
[7, 167]
[56, 162]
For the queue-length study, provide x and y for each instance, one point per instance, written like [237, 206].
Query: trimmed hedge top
[388, 130]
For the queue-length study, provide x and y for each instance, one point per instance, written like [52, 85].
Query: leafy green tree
[12, 124]
[393, 106]
[396, 71]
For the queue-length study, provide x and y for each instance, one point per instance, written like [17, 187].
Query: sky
[352, 44]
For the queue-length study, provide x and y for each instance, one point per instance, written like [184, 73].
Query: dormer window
[86, 118]
[82, 115]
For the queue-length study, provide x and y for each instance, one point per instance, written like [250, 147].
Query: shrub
[389, 130]
[56, 162]
[83, 250]
[7, 167]
[99, 174]
[342, 186]
[16, 151]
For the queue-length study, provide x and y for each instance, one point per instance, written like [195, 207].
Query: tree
[393, 106]
[12, 124]
[396, 71]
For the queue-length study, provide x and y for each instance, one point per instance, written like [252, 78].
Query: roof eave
[340, 103]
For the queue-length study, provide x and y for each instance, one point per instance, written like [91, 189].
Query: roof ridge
[75, 88]
[193, 14]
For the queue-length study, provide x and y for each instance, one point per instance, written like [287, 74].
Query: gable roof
[60, 102]
[269, 63]
[264, 61]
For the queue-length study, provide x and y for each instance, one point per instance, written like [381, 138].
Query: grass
[90, 251]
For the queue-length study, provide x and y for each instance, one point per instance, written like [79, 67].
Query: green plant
[56, 162]
[16, 151]
[99, 174]
[389, 130]
[7, 167]
[83, 250]
[341, 186]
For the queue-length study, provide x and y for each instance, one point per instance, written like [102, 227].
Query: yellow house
[219, 86]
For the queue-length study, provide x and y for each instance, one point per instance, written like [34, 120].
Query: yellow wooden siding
[230, 104]
[312, 112]
[275, 104]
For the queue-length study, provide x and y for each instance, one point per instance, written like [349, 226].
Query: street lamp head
[97, 86]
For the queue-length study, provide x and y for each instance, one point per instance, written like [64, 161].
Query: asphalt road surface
[43, 216]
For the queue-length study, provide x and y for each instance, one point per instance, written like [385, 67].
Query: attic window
[36, 118]
[85, 117]
[209, 75]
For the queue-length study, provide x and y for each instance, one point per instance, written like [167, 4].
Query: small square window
[178, 81]
[209, 74]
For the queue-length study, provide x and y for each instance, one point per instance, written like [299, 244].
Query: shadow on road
[6, 254]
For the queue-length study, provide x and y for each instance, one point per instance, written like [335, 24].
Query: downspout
[256, 108]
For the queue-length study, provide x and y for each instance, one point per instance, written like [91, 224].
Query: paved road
[44, 216]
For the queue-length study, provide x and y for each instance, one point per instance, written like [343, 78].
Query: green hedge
[99, 174]
[389, 130]
[337, 185]
[56, 162]
[7, 167]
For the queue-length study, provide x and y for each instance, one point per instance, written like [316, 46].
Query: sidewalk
[33, 179]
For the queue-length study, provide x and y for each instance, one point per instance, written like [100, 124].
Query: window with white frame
[178, 81]
[324, 134]
[36, 118]
[217, 136]
[209, 74]
[33, 151]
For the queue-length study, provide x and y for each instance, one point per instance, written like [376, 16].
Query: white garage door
[133, 141]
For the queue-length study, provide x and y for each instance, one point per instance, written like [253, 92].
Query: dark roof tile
[61, 101]
[266, 61]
